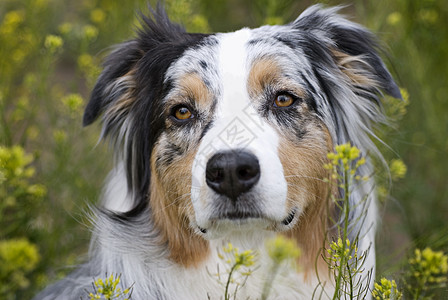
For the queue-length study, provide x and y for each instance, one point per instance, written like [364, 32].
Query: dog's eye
[283, 100]
[182, 113]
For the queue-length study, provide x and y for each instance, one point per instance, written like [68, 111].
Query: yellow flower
[109, 288]
[343, 160]
[394, 18]
[90, 32]
[97, 16]
[41, 3]
[353, 153]
[59, 136]
[405, 94]
[32, 132]
[17, 258]
[65, 28]
[397, 169]
[428, 16]
[85, 61]
[37, 190]
[53, 43]
[245, 258]
[11, 21]
[198, 23]
[74, 103]
[386, 290]
[428, 267]
[87, 65]
[281, 248]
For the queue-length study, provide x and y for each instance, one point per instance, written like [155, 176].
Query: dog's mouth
[242, 218]
[290, 218]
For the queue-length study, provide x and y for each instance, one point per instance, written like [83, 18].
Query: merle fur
[158, 44]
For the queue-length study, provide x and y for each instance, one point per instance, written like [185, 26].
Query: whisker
[306, 177]
[305, 190]
[175, 201]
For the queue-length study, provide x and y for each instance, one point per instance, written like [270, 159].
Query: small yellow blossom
[74, 103]
[428, 269]
[397, 169]
[394, 18]
[281, 248]
[236, 261]
[404, 94]
[53, 43]
[428, 16]
[343, 159]
[198, 23]
[37, 189]
[386, 290]
[109, 289]
[41, 3]
[60, 136]
[88, 66]
[32, 132]
[90, 32]
[11, 21]
[85, 61]
[18, 257]
[97, 16]
[65, 28]
[245, 258]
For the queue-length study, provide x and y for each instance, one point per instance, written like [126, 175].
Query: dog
[223, 138]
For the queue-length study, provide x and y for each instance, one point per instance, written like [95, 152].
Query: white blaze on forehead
[233, 71]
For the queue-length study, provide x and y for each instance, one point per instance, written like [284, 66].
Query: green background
[44, 86]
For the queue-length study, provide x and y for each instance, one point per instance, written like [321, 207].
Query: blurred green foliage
[50, 168]
[18, 256]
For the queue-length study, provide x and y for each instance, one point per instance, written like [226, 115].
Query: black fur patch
[158, 44]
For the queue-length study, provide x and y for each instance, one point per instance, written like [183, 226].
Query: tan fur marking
[266, 72]
[194, 87]
[121, 105]
[355, 68]
[172, 209]
[303, 168]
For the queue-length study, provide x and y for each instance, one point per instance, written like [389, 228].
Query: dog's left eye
[283, 100]
[182, 113]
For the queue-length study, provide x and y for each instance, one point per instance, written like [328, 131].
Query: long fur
[151, 226]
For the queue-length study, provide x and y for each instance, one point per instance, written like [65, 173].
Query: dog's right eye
[283, 100]
[182, 113]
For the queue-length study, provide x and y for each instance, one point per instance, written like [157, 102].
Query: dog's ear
[113, 91]
[115, 80]
[354, 49]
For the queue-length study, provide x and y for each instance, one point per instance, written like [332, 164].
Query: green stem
[226, 295]
[6, 139]
[417, 294]
[351, 281]
[344, 234]
[268, 285]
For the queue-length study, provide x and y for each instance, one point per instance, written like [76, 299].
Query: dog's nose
[232, 173]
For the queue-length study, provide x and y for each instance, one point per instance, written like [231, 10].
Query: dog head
[224, 133]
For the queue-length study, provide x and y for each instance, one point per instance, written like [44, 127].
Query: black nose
[232, 173]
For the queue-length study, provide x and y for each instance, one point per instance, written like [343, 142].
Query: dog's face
[249, 142]
[229, 132]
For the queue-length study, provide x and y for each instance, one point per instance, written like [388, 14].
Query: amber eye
[182, 113]
[283, 100]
